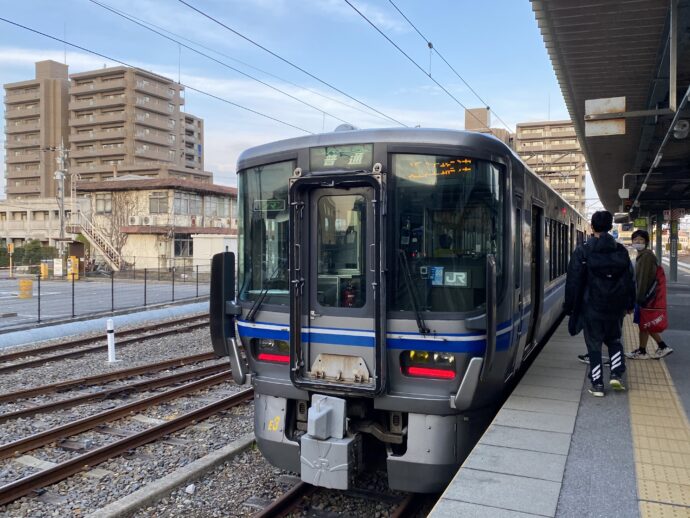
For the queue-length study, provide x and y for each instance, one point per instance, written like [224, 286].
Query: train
[390, 284]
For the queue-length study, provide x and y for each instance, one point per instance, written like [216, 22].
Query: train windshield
[448, 217]
[263, 233]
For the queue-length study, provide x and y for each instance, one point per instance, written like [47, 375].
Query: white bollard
[111, 341]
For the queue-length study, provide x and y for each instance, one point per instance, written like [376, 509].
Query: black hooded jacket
[601, 280]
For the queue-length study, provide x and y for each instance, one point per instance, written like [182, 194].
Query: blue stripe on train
[466, 346]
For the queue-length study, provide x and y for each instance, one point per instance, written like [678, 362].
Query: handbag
[653, 320]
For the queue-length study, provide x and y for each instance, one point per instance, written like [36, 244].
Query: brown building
[479, 119]
[552, 150]
[128, 121]
[35, 122]
[113, 121]
[191, 141]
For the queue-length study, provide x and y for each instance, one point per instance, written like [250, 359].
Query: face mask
[638, 246]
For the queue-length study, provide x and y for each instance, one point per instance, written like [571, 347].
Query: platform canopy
[631, 49]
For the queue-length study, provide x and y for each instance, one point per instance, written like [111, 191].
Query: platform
[555, 450]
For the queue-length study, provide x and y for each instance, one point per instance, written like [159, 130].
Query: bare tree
[124, 205]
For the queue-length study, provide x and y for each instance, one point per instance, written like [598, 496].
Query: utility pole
[59, 176]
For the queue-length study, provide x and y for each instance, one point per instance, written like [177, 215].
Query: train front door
[337, 337]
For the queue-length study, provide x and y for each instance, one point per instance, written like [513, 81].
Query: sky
[494, 46]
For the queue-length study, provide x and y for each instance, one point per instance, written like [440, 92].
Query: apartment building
[191, 141]
[129, 121]
[552, 150]
[479, 120]
[36, 118]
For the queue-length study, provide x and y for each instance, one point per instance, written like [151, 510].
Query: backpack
[609, 281]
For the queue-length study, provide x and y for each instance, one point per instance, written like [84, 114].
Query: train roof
[439, 137]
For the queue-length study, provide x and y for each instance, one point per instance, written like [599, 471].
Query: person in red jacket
[645, 273]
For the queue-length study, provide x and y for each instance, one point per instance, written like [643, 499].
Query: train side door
[536, 274]
[519, 295]
[337, 339]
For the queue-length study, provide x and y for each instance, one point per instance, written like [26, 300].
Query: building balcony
[29, 142]
[23, 113]
[98, 86]
[155, 106]
[97, 135]
[11, 158]
[101, 118]
[152, 121]
[153, 88]
[574, 148]
[12, 128]
[83, 153]
[22, 189]
[21, 97]
[23, 174]
[161, 156]
[163, 140]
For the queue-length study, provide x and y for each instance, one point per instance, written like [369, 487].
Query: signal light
[425, 364]
[270, 350]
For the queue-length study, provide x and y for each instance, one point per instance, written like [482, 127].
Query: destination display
[353, 156]
[426, 169]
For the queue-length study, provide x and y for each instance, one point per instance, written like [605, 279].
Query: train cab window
[263, 231]
[340, 251]
[448, 218]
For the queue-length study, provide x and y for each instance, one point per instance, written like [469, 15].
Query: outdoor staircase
[97, 239]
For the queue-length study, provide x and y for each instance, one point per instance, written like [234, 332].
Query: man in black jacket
[600, 289]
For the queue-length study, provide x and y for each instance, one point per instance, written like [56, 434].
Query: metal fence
[31, 298]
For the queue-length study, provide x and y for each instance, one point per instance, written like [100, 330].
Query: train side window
[518, 246]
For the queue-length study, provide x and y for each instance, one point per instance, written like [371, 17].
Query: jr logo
[455, 279]
[273, 424]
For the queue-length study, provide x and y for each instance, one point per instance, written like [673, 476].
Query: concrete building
[128, 121]
[158, 222]
[35, 121]
[191, 139]
[552, 150]
[22, 220]
[479, 119]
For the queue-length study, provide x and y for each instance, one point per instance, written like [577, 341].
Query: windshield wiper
[262, 295]
[413, 294]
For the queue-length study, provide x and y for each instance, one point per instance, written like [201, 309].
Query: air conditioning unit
[217, 223]
[134, 220]
[146, 220]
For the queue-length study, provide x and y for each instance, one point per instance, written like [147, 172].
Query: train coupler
[328, 457]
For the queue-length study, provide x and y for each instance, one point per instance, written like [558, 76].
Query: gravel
[90, 490]
[147, 351]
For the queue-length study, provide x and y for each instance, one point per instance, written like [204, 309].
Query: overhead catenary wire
[436, 51]
[127, 17]
[414, 63]
[248, 65]
[284, 60]
[95, 53]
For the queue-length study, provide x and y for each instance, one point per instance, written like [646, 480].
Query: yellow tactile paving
[661, 435]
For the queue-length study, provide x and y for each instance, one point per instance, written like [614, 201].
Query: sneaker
[584, 358]
[597, 390]
[638, 354]
[616, 383]
[660, 353]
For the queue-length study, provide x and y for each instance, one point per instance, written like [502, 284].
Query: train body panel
[399, 278]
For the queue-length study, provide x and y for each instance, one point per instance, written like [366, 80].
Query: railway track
[105, 378]
[143, 333]
[25, 485]
[295, 500]
[107, 393]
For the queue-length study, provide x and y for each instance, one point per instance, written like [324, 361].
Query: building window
[158, 203]
[184, 245]
[104, 203]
